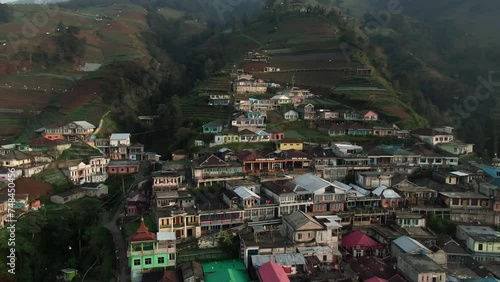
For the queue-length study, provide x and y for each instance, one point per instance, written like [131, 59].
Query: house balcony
[151, 252]
[222, 222]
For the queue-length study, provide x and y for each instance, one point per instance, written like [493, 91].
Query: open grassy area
[56, 178]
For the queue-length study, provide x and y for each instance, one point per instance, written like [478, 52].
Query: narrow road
[113, 225]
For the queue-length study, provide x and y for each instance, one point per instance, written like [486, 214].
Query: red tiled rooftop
[358, 238]
[272, 272]
[143, 233]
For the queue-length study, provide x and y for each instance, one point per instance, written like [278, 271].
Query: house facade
[123, 167]
[290, 144]
[418, 268]
[306, 111]
[73, 131]
[481, 241]
[291, 115]
[212, 169]
[93, 171]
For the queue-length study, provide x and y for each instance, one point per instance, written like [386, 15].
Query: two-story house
[212, 169]
[249, 120]
[278, 100]
[433, 137]
[73, 131]
[482, 241]
[168, 180]
[304, 230]
[326, 114]
[306, 111]
[287, 200]
[326, 196]
[255, 163]
[373, 179]
[92, 172]
[465, 200]
[148, 251]
[219, 100]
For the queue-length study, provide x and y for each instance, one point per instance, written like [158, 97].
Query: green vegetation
[57, 237]
[56, 178]
[442, 225]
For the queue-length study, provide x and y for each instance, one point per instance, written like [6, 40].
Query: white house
[291, 115]
[119, 139]
[280, 100]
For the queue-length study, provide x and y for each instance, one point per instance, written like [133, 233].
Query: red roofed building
[359, 244]
[272, 272]
[148, 251]
[143, 234]
[376, 279]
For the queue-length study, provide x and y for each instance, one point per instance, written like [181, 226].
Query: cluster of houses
[295, 222]
[113, 155]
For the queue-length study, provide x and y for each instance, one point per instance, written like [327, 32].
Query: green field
[196, 107]
[55, 177]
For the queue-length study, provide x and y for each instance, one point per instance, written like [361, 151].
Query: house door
[190, 233]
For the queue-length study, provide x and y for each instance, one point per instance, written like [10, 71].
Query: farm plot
[196, 107]
[307, 78]
[214, 85]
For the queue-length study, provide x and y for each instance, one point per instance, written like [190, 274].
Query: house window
[147, 261]
[455, 202]
[325, 257]
[161, 260]
[473, 202]
[299, 236]
[480, 247]
[137, 262]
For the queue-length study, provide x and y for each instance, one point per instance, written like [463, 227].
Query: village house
[253, 86]
[123, 167]
[408, 245]
[183, 222]
[227, 136]
[357, 197]
[173, 198]
[392, 155]
[326, 114]
[418, 268]
[358, 244]
[334, 128]
[211, 169]
[179, 155]
[219, 100]
[213, 127]
[287, 200]
[407, 219]
[290, 144]
[249, 136]
[413, 194]
[481, 241]
[274, 162]
[464, 200]
[350, 115]
[373, 179]
[326, 196]
[433, 137]
[272, 272]
[94, 189]
[249, 120]
[304, 230]
[368, 115]
[67, 196]
[93, 171]
[293, 264]
[137, 204]
[457, 148]
[359, 129]
[15, 158]
[291, 115]
[389, 198]
[278, 100]
[73, 132]
[276, 136]
[306, 111]
[168, 180]
[430, 158]
[383, 131]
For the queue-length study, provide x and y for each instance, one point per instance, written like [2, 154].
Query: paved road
[113, 226]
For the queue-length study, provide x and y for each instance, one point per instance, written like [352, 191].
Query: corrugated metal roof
[281, 259]
[410, 245]
[165, 236]
[245, 193]
[459, 173]
[119, 136]
[84, 124]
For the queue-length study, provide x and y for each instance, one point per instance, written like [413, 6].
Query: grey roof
[88, 67]
[119, 136]
[385, 192]
[422, 264]
[281, 259]
[410, 245]
[481, 233]
[84, 124]
[298, 218]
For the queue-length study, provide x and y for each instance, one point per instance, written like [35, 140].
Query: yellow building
[290, 144]
[482, 241]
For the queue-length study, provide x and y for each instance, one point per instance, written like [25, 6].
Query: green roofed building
[225, 271]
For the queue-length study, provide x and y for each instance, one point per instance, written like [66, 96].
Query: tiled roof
[358, 238]
[272, 272]
[143, 233]
[212, 160]
[277, 187]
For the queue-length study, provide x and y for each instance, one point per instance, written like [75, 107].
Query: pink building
[272, 272]
[123, 167]
[276, 136]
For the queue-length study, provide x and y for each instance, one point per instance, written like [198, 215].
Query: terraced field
[196, 107]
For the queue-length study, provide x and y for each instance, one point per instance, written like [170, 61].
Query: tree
[176, 113]
[244, 20]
